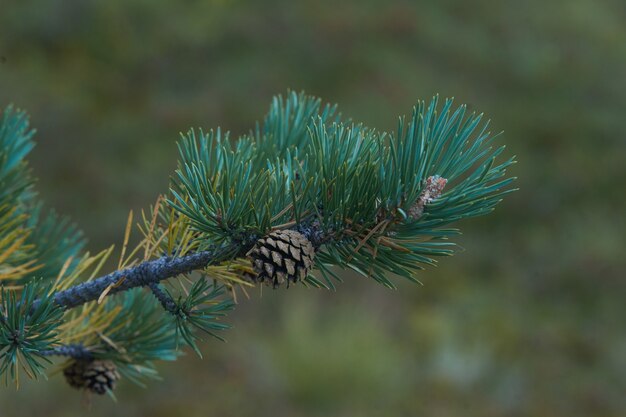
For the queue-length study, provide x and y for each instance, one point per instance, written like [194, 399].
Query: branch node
[164, 298]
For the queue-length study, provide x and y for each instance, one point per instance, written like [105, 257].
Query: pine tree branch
[144, 274]
[75, 351]
[150, 273]
[366, 201]
[167, 302]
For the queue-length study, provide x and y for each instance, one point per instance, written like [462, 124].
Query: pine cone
[97, 376]
[283, 255]
[74, 374]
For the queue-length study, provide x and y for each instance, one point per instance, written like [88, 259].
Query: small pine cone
[97, 376]
[101, 376]
[282, 256]
[74, 374]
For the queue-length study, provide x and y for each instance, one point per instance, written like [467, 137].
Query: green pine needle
[360, 186]
[201, 310]
[26, 331]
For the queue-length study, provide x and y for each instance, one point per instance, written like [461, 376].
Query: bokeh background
[528, 321]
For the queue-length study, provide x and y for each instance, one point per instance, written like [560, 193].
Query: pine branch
[144, 274]
[303, 191]
[150, 273]
[166, 301]
[27, 327]
[75, 351]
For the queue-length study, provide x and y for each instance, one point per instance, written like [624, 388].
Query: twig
[164, 298]
[143, 274]
[154, 271]
[75, 351]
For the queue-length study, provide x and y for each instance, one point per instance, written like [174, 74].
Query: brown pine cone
[74, 374]
[282, 256]
[97, 376]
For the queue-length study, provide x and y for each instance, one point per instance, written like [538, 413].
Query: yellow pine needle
[156, 244]
[15, 272]
[129, 224]
[87, 331]
[106, 253]
[385, 241]
[155, 213]
[11, 288]
[284, 225]
[12, 249]
[282, 212]
[170, 228]
[110, 343]
[85, 263]
[230, 271]
[380, 226]
[109, 288]
[62, 272]
[12, 273]
[131, 258]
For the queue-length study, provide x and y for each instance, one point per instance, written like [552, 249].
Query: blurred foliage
[530, 321]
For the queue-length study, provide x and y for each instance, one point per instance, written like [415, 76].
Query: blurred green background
[528, 321]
